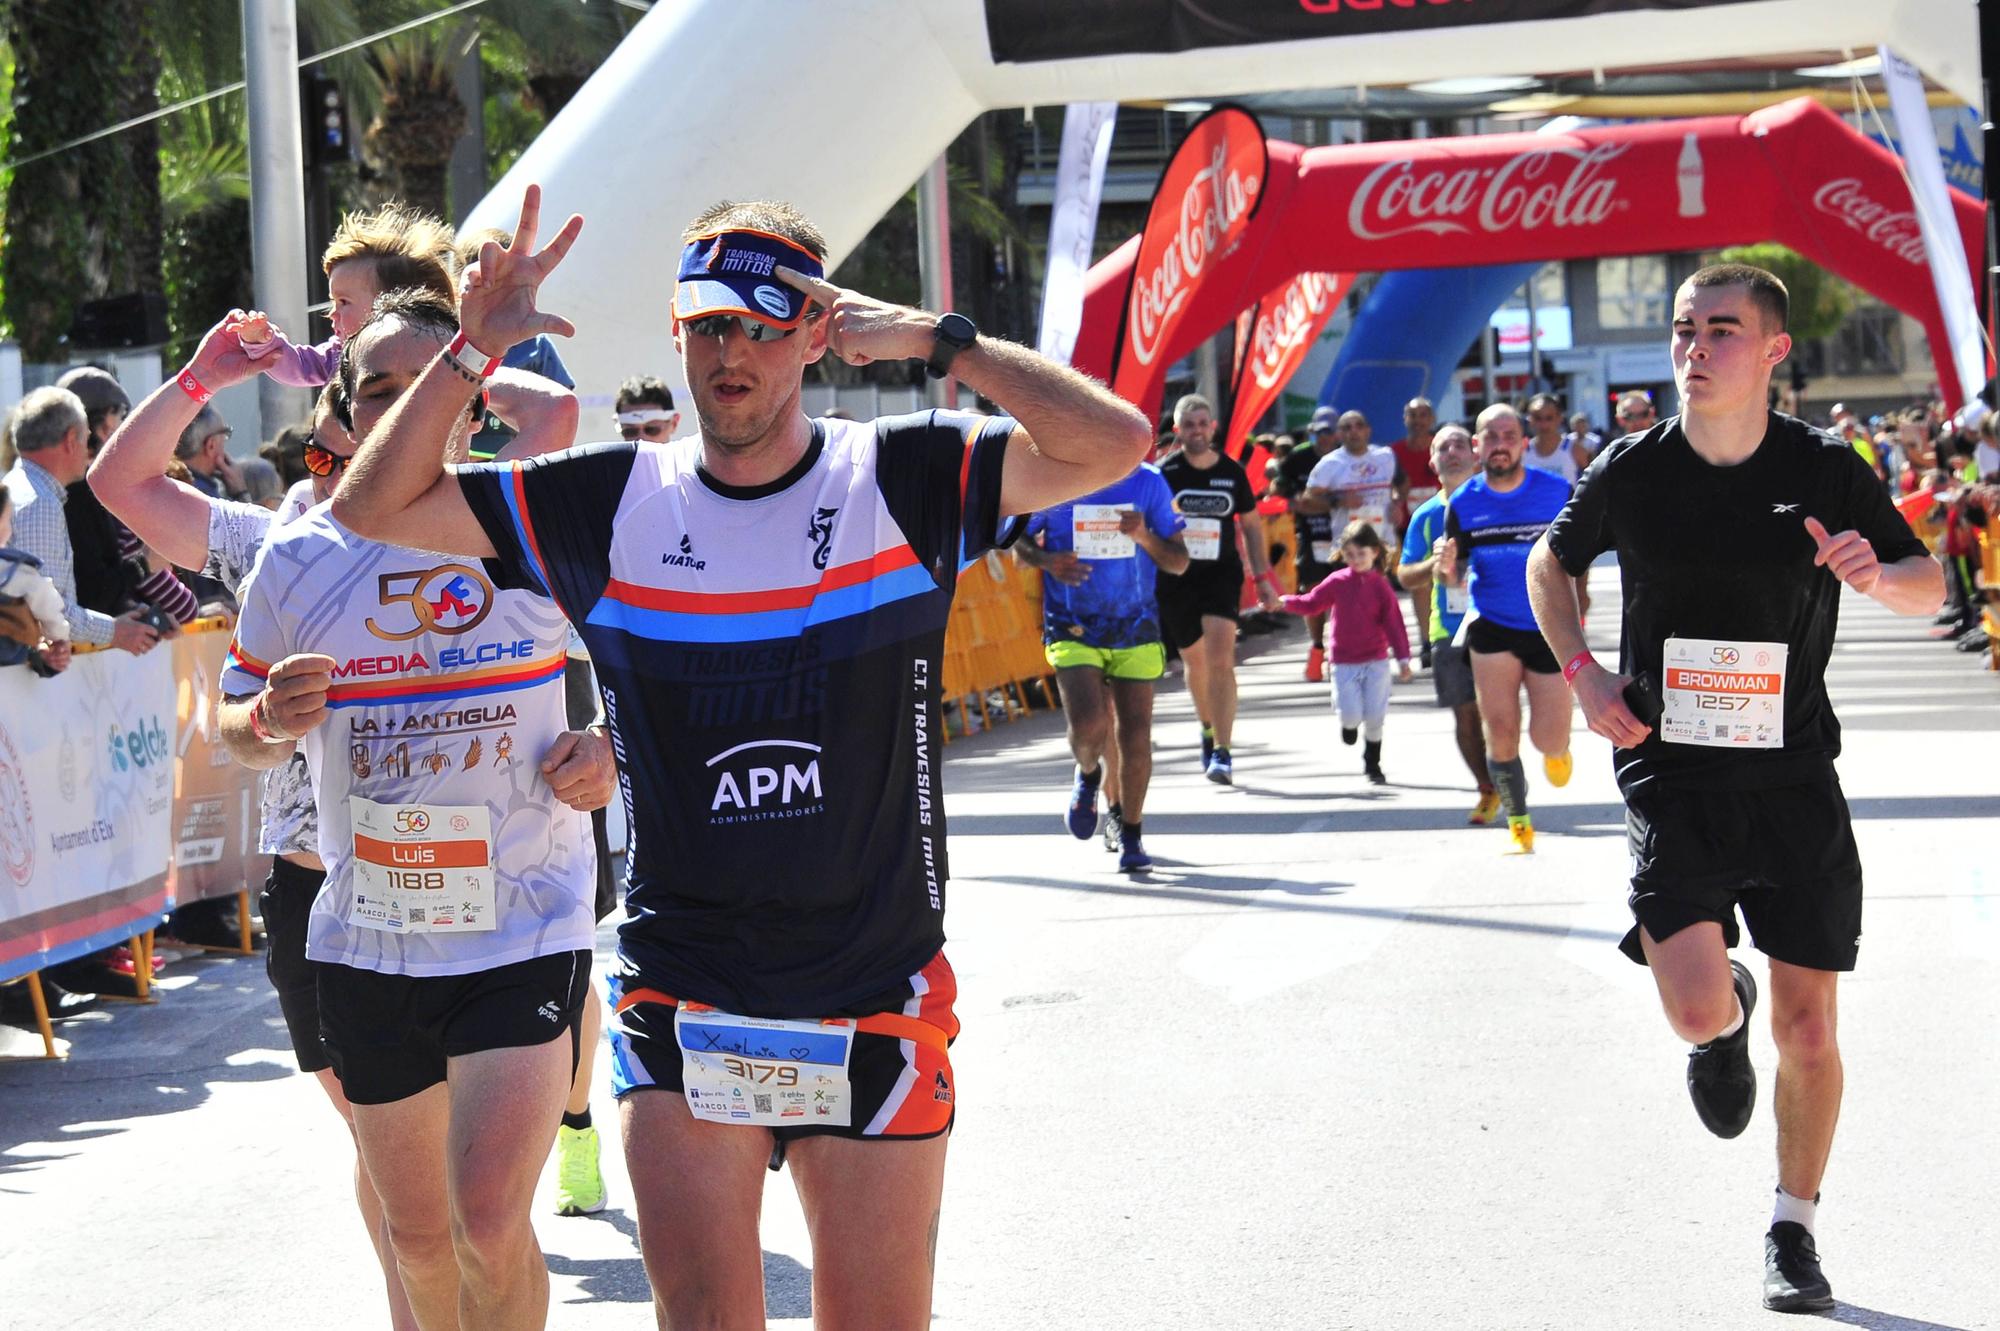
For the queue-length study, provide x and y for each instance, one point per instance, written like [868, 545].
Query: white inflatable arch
[839, 107]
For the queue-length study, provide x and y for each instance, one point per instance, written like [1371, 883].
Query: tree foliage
[1820, 301]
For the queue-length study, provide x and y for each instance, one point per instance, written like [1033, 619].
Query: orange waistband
[892, 1024]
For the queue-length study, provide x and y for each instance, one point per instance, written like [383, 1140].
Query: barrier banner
[216, 811]
[1207, 198]
[1024, 31]
[1272, 338]
[86, 801]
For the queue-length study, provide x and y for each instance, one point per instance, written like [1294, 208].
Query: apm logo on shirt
[753, 784]
[451, 598]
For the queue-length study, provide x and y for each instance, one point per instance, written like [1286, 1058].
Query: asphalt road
[1337, 1063]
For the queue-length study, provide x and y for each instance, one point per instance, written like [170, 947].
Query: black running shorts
[1784, 856]
[1491, 639]
[1185, 601]
[389, 1035]
[286, 903]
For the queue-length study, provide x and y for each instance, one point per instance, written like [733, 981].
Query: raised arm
[398, 488]
[541, 412]
[129, 475]
[1075, 435]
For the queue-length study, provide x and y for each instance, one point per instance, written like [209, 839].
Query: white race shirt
[1559, 463]
[447, 693]
[1373, 473]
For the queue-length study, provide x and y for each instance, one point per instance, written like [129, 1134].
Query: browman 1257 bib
[764, 1071]
[1724, 694]
[422, 868]
[1097, 534]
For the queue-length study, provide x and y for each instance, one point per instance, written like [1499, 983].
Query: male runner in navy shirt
[765, 604]
[1098, 556]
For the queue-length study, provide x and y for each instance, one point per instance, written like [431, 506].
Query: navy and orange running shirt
[772, 666]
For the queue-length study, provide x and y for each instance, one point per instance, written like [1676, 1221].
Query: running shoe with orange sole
[1557, 767]
[1487, 811]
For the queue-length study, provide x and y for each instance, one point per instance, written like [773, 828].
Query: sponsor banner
[216, 812]
[1086, 147]
[1207, 198]
[1023, 31]
[1793, 173]
[86, 805]
[1272, 338]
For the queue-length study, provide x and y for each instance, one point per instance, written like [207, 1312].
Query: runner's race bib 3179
[763, 1071]
[1723, 694]
[422, 868]
[1096, 532]
[1203, 537]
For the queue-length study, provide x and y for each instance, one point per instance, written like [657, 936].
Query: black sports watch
[955, 333]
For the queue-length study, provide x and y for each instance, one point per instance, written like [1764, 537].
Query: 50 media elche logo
[450, 598]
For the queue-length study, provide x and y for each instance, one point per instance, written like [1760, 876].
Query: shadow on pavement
[1850, 1315]
[131, 1061]
[1202, 887]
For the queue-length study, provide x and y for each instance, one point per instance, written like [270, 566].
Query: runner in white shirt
[1548, 449]
[1357, 482]
[457, 916]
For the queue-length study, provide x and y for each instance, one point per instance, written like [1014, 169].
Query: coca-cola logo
[1210, 219]
[1895, 231]
[1287, 325]
[1560, 187]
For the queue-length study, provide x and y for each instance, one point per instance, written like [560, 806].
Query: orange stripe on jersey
[782, 598]
[422, 854]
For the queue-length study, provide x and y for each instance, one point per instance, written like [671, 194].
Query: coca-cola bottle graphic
[1688, 172]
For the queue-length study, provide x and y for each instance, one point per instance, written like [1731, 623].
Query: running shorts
[1451, 674]
[389, 1036]
[1491, 639]
[286, 904]
[1784, 856]
[1185, 601]
[900, 1070]
[1146, 662]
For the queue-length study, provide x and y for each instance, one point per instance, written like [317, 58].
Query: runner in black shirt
[1731, 797]
[1198, 608]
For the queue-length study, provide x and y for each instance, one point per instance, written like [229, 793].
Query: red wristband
[194, 388]
[1576, 663]
[459, 344]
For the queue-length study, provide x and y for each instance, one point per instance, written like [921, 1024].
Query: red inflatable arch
[1794, 173]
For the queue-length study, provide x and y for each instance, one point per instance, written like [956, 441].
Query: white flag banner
[1086, 146]
[1938, 223]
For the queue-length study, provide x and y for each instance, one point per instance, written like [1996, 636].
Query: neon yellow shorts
[1146, 661]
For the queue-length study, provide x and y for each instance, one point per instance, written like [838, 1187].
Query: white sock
[1793, 1209]
[1735, 1022]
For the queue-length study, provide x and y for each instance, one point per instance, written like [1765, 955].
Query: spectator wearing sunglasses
[645, 409]
[1635, 413]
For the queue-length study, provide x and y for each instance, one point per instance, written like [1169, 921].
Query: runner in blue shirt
[1490, 524]
[1098, 557]
[1452, 457]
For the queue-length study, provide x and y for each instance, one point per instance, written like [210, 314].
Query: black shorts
[1186, 600]
[902, 1078]
[286, 904]
[1491, 639]
[1451, 674]
[389, 1035]
[1783, 855]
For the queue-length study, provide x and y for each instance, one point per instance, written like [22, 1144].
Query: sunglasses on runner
[323, 461]
[650, 430]
[717, 326]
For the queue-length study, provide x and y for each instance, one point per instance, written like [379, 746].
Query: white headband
[645, 417]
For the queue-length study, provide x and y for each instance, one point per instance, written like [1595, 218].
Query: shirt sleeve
[260, 639]
[159, 588]
[236, 533]
[550, 517]
[1582, 531]
[303, 367]
[548, 363]
[1416, 544]
[1868, 510]
[1392, 621]
[940, 474]
[1246, 498]
[1159, 507]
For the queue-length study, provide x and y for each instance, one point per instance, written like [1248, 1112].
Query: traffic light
[324, 111]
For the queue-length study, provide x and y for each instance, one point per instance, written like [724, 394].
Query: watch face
[956, 329]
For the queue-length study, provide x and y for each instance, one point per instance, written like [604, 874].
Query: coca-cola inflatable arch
[1794, 173]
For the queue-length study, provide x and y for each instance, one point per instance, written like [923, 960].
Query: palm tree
[420, 115]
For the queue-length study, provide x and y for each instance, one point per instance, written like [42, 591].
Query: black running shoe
[1720, 1078]
[1793, 1282]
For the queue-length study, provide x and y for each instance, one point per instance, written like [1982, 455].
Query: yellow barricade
[993, 642]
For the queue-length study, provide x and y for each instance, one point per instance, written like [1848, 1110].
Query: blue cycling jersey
[1495, 529]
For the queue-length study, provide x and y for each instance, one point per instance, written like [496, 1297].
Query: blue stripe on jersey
[763, 625]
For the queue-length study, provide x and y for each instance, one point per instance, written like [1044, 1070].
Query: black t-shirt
[1722, 553]
[103, 582]
[1219, 493]
[1292, 475]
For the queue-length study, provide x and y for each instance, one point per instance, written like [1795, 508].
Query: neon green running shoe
[579, 1183]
